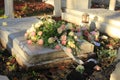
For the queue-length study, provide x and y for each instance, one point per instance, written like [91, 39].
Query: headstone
[112, 4]
[78, 4]
[57, 7]
[9, 11]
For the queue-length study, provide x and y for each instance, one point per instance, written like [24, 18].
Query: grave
[12, 37]
[106, 21]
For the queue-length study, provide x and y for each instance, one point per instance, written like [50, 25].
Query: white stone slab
[105, 20]
[12, 36]
[116, 73]
[78, 4]
[3, 77]
[57, 7]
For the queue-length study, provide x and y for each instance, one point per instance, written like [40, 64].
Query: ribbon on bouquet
[70, 54]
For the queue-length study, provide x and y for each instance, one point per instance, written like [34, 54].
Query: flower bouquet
[57, 35]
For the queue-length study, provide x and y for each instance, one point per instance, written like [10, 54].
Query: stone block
[3, 77]
[12, 37]
[105, 20]
[116, 73]
[78, 4]
[57, 7]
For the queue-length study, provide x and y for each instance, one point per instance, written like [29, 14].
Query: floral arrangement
[47, 32]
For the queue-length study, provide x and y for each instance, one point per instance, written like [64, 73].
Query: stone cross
[9, 11]
[112, 4]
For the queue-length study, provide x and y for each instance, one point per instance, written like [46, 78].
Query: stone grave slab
[12, 37]
[116, 73]
[2, 77]
[106, 21]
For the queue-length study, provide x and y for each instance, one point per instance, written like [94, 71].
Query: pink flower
[73, 29]
[63, 37]
[29, 41]
[57, 47]
[63, 42]
[68, 50]
[62, 27]
[40, 41]
[86, 33]
[33, 33]
[83, 28]
[78, 30]
[40, 33]
[26, 34]
[93, 32]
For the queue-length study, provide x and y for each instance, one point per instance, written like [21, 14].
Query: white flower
[28, 31]
[37, 25]
[51, 21]
[75, 37]
[32, 29]
[51, 40]
[59, 30]
[71, 33]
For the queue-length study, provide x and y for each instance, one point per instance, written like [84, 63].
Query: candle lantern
[85, 18]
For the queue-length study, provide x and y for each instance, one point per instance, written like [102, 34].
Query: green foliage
[1, 12]
[80, 68]
[47, 32]
[106, 56]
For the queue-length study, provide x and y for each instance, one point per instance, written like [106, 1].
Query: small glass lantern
[85, 18]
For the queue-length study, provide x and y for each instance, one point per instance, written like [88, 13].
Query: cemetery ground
[14, 71]
[10, 67]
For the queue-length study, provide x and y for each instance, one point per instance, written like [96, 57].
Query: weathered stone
[12, 37]
[116, 73]
[105, 20]
[3, 77]
[78, 4]
[9, 10]
[57, 7]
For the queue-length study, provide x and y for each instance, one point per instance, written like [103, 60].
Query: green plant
[80, 68]
[106, 56]
[47, 32]
[11, 63]
[1, 12]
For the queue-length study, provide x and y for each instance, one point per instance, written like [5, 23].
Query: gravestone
[78, 4]
[9, 11]
[57, 7]
[12, 37]
[112, 4]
